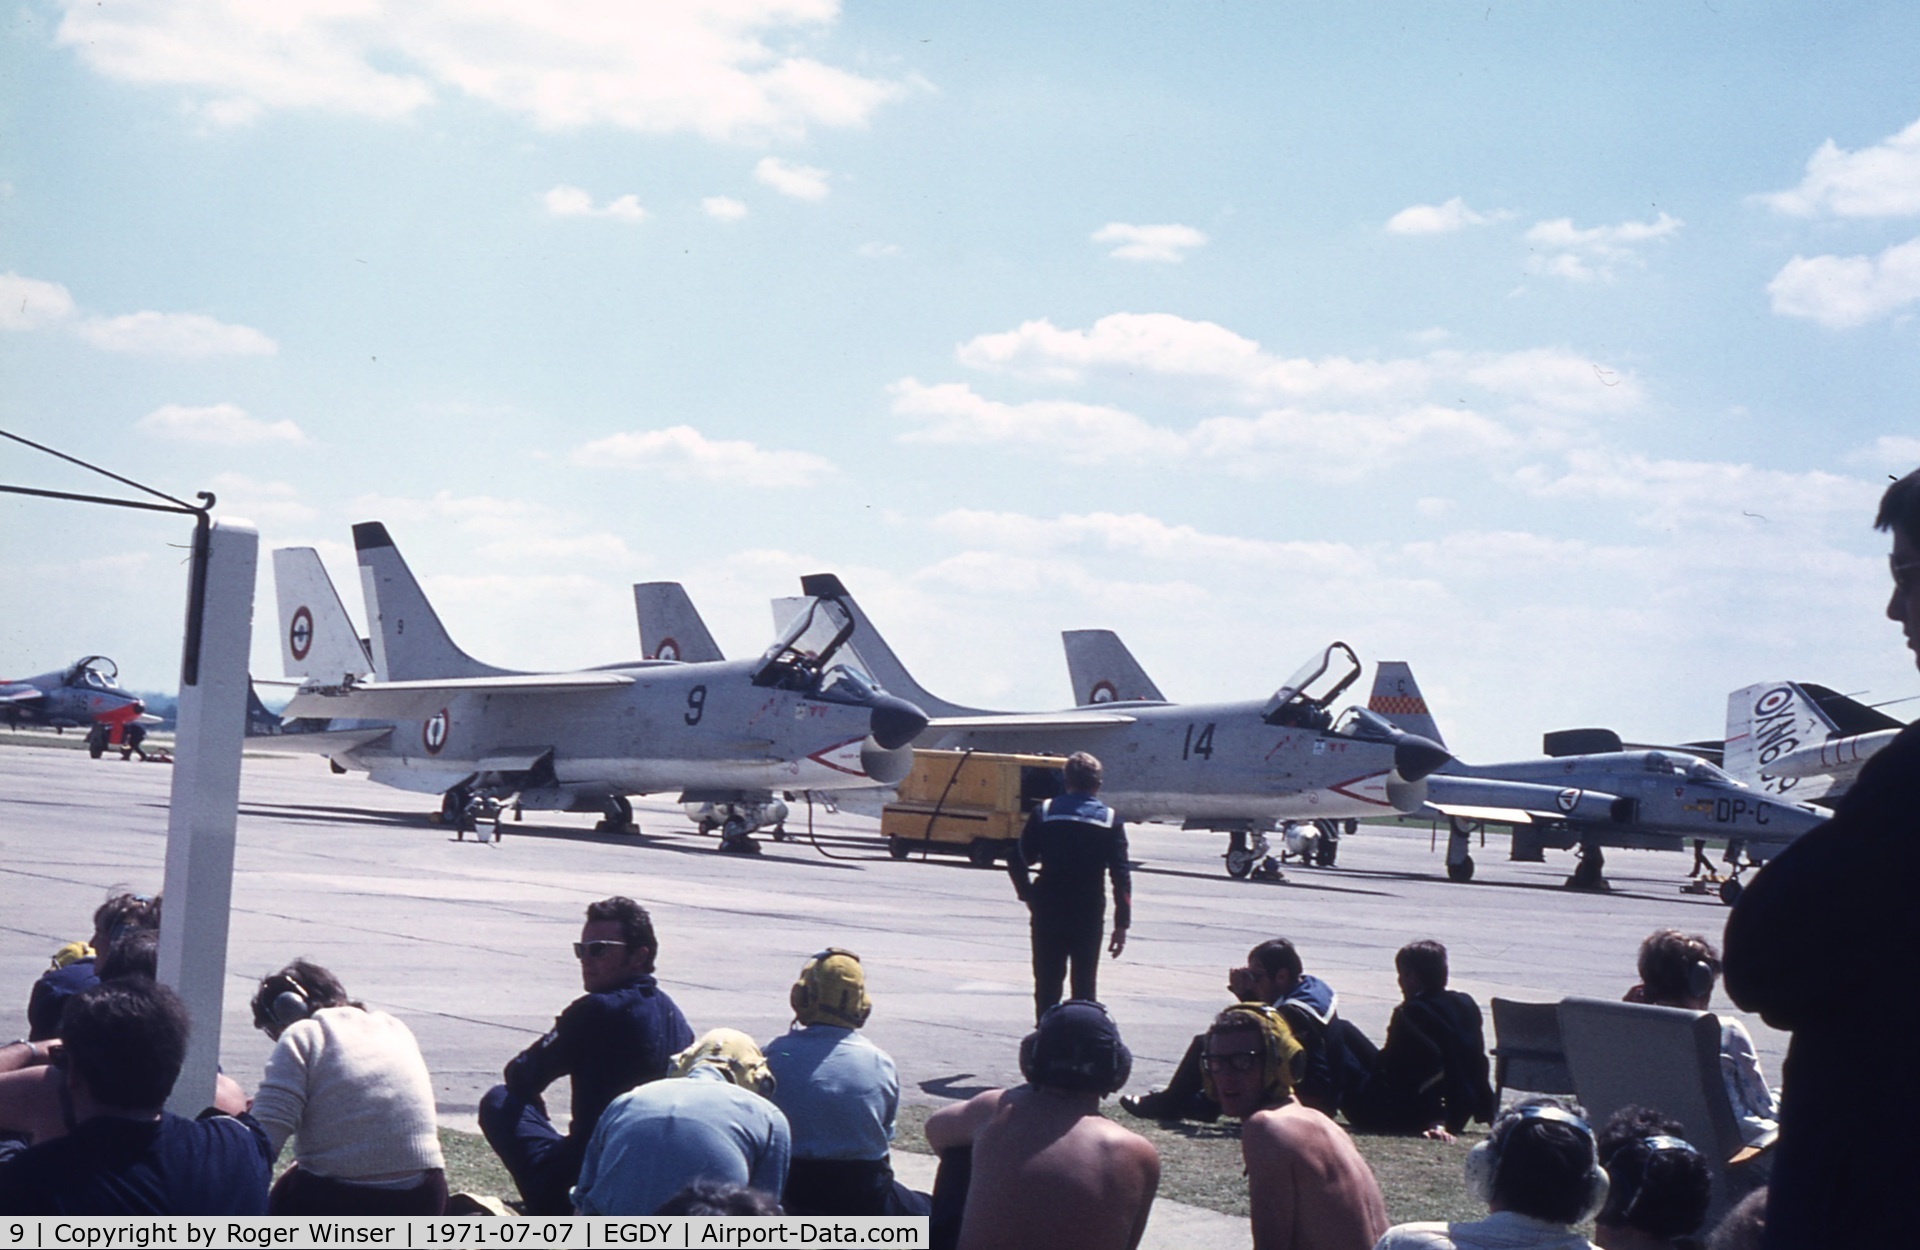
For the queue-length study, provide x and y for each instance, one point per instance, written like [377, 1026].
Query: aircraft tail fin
[1771, 719]
[317, 637]
[670, 626]
[1396, 696]
[409, 643]
[1104, 671]
[873, 655]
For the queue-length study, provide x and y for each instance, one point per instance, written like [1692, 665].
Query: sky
[1561, 351]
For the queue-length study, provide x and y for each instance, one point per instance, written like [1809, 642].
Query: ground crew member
[1075, 839]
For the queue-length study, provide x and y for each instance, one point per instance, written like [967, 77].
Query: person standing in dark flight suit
[1076, 839]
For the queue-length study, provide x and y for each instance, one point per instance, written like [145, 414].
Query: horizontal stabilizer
[321, 741]
[407, 700]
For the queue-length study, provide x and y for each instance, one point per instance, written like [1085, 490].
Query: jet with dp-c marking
[801, 717]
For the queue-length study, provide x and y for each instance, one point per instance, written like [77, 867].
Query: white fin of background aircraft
[1801, 741]
[1102, 670]
[670, 626]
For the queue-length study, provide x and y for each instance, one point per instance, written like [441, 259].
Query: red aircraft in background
[87, 693]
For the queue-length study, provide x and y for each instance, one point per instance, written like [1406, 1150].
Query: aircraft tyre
[898, 847]
[97, 741]
[1730, 891]
[736, 838]
[1462, 871]
[982, 853]
[1240, 862]
[619, 817]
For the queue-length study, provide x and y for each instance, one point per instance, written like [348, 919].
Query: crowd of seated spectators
[664, 1122]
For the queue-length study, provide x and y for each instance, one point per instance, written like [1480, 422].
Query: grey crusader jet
[1240, 768]
[798, 718]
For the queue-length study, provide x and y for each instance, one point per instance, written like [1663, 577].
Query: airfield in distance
[470, 943]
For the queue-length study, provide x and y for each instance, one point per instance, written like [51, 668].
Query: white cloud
[952, 412]
[1440, 218]
[1136, 534]
[266, 503]
[1696, 496]
[802, 182]
[1343, 446]
[1128, 348]
[225, 424]
[1593, 254]
[190, 335]
[723, 208]
[566, 201]
[683, 452]
[701, 66]
[29, 303]
[1899, 452]
[1168, 244]
[879, 251]
[1844, 291]
[1880, 181]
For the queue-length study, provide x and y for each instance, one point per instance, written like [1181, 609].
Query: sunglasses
[1241, 1062]
[594, 950]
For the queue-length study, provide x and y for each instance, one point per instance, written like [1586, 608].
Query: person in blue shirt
[840, 1093]
[1076, 840]
[712, 1121]
[620, 1034]
[122, 1044]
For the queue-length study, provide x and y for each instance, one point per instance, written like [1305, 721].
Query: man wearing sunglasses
[1821, 943]
[620, 1034]
[1307, 1185]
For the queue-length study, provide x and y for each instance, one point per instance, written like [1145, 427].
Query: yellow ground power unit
[970, 803]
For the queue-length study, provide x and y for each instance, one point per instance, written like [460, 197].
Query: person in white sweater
[349, 1086]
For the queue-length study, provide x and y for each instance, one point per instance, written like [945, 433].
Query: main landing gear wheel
[97, 740]
[897, 846]
[1240, 862]
[1462, 871]
[737, 839]
[1730, 891]
[619, 817]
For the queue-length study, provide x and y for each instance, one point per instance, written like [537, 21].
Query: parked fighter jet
[1802, 741]
[735, 732]
[86, 692]
[1653, 799]
[1240, 768]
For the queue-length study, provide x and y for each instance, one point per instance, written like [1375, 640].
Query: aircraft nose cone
[895, 722]
[1414, 757]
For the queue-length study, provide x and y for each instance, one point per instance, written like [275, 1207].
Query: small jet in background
[1653, 799]
[1799, 741]
[86, 692]
[1245, 769]
[799, 718]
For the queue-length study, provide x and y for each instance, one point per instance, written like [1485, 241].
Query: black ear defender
[281, 1001]
[1636, 1162]
[1076, 1047]
[1700, 979]
[1484, 1160]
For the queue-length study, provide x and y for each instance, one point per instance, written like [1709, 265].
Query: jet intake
[886, 766]
[894, 722]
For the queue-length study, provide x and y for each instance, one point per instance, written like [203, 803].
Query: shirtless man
[1308, 1186]
[1048, 1170]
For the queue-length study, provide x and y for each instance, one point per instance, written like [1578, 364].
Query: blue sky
[1562, 353]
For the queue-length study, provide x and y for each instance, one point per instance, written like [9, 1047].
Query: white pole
[206, 796]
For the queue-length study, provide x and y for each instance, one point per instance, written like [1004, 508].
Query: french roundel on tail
[1396, 696]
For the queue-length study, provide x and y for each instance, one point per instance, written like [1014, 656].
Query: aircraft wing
[406, 700]
[1033, 720]
[322, 741]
